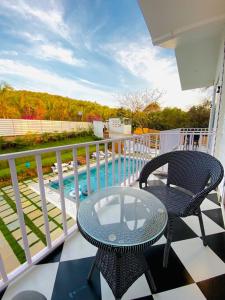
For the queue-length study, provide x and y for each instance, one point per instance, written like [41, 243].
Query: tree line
[142, 108]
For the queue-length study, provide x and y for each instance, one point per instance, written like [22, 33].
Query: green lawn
[47, 158]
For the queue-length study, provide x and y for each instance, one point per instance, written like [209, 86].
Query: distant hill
[40, 106]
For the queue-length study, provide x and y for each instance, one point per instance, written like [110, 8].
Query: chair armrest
[197, 199]
[151, 166]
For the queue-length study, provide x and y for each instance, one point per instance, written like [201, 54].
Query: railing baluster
[124, 162]
[156, 144]
[43, 200]
[138, 156]
[146, 149]
[61, 191]
[113, 163]
[106, 164]
[76, 181]
[149, 137]
[119, 162]
[13, 172]
[142, 154]
[88, 170]
[129, 164]
[200, 142]
[2, 270]
[134, 162]
[98, 166]
[192, 142]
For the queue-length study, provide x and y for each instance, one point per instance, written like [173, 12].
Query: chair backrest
[193, 170]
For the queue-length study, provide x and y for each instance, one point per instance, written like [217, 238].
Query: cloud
[45, 81]
[51, 18]
[55, 52]
[31, 37]
[146, 62]
[9, 53]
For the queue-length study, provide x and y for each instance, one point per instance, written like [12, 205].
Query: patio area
[194, 271]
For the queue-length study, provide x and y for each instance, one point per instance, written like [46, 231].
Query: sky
[85, 49]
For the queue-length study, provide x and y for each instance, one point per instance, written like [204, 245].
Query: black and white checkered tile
[194, 271]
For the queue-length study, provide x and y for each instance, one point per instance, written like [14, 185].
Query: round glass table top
[122, 216]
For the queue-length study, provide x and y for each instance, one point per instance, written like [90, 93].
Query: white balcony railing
[129, 153]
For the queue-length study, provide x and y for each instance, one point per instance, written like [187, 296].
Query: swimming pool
[82, 177]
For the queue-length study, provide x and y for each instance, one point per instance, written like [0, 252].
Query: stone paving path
[11, 244]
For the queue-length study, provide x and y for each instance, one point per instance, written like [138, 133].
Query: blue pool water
[82, 177]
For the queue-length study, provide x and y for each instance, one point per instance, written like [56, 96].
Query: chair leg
[91, 272]
[202, 229]
[169, 240]
[150, 281]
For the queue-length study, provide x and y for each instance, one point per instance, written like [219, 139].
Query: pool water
[82, 177]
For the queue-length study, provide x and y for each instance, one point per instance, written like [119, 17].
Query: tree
[6, 111]
[138, 101]
[90, 117]
[199, 115]
[152, 107]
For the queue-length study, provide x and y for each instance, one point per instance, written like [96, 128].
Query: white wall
[98, 128]
[12, 127]
[116, 126]
[219, 151]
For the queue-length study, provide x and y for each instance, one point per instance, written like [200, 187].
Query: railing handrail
[79, 145]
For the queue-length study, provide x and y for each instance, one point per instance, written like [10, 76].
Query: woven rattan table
[122, 222]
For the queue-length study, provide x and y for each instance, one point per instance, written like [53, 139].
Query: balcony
[42, 249]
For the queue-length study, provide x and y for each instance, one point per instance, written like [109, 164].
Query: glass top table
[122, 222]
[122, 217]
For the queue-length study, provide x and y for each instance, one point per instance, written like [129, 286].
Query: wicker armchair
[191, 176]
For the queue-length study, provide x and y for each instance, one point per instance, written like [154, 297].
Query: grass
[15, 246]
[38, 207]
[67, 141]
[47, 158]
[27, 220]
[13, 243]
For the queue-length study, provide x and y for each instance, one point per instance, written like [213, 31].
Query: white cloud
[146, 62]
[52, 17]
[9, 52]
[32, 37]
[52, 51]
[42, 80]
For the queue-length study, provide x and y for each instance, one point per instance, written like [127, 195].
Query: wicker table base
[121, 270]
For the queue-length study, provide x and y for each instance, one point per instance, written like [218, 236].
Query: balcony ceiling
[194, 29]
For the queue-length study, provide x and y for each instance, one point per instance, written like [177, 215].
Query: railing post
[13, 172]
[138, 158]
[129, 162]
[113, 163]
[61, 191]
[119, 162]
[43, 200]
[76, 182]
[106, 164]
[134, 161]
[2, 270]
[97, 167]
[124, 162]
[88, 170]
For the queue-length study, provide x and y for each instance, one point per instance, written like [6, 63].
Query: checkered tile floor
[194, 271]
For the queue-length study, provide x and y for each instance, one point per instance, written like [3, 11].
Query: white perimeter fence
[12, 127]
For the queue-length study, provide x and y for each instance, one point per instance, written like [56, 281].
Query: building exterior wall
[219, 122]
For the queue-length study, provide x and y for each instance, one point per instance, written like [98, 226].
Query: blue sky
[85, 49]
